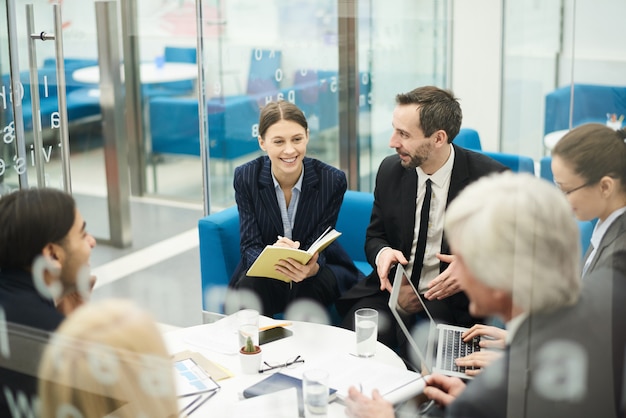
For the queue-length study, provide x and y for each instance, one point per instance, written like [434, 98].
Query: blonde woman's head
[107, 358]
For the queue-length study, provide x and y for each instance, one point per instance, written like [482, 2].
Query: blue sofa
[517, 163]
[232, 119]
[219, 243]
[591, 104]
[81, 106]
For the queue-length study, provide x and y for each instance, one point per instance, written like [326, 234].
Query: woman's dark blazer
[260, 223]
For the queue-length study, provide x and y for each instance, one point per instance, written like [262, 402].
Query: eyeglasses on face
[288, 364]
[570, 191]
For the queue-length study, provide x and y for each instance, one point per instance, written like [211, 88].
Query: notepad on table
[264, 265]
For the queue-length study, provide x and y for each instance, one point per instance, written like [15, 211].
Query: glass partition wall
[563, 66]
[258, 52]
[44, 121]
[514, 66]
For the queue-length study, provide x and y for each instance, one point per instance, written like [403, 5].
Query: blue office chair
[545, 168]
[468, 138]
[517, 163]
[586, 230]
[180, 54]
[262, 77]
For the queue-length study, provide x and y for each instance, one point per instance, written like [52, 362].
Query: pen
[279, 324]
[209, 396]
[197, 393]
[191, 404]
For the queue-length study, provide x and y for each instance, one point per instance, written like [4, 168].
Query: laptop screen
[420, 338]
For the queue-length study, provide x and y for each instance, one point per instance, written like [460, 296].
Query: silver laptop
[436, 345]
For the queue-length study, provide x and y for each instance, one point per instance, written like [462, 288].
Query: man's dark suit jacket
[393, 219]
[23, 307]
[323, 187]
[567, 363]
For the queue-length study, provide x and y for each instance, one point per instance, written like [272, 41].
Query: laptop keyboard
[455, 347]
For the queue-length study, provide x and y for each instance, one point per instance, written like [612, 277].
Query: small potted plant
[250, 356]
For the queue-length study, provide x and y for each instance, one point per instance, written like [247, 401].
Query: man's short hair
[517, 233]
[438, 109]
[30, 219]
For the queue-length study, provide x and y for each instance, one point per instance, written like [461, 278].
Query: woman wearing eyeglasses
[589, 166]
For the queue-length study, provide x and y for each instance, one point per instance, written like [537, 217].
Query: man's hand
[443, 389]
[297, 271]
[496, 336]
[386, 260]
[478, 360]
[408, 300]
[360, 406]
[447, 283]
[69, 302]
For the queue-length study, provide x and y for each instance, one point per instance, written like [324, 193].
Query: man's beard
[421, 155]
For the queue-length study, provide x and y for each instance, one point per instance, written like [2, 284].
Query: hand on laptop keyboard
[495, 337]
[473, 364]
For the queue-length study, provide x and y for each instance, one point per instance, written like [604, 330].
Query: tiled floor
[161, 269]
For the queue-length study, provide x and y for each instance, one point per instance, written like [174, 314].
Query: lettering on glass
[5, 350]
[20, 405]
[155, 378]
[52, 290]
[561, 371]
[104, 364]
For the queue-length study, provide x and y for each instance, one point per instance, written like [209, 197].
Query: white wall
[598, 35]
[476, 65]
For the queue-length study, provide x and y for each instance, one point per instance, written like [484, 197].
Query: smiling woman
[289, 200]
[589, 166]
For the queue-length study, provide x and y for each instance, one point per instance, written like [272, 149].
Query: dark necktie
[421, 236]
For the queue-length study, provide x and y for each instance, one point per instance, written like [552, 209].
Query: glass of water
[366, 327]
[315, 393]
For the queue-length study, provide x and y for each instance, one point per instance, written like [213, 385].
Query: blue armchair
[591, 104]
[468, 138]
[545, 168]
[219, 243]
[517, 163]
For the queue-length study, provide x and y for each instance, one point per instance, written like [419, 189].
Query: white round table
[149, 73]
[310, 341]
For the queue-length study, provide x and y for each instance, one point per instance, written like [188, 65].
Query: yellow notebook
[263, 266]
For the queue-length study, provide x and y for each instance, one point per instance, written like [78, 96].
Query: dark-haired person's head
[43, 222]
[274, 112]
[589, 166]
[425, 121]
[284, 135]
[438, 110]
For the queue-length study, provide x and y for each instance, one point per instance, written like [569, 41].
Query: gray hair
[517, 233]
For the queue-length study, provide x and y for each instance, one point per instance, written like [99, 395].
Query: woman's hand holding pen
[297, 271]
[286, 242]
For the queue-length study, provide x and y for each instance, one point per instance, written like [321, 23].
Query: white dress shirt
[434, 237]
